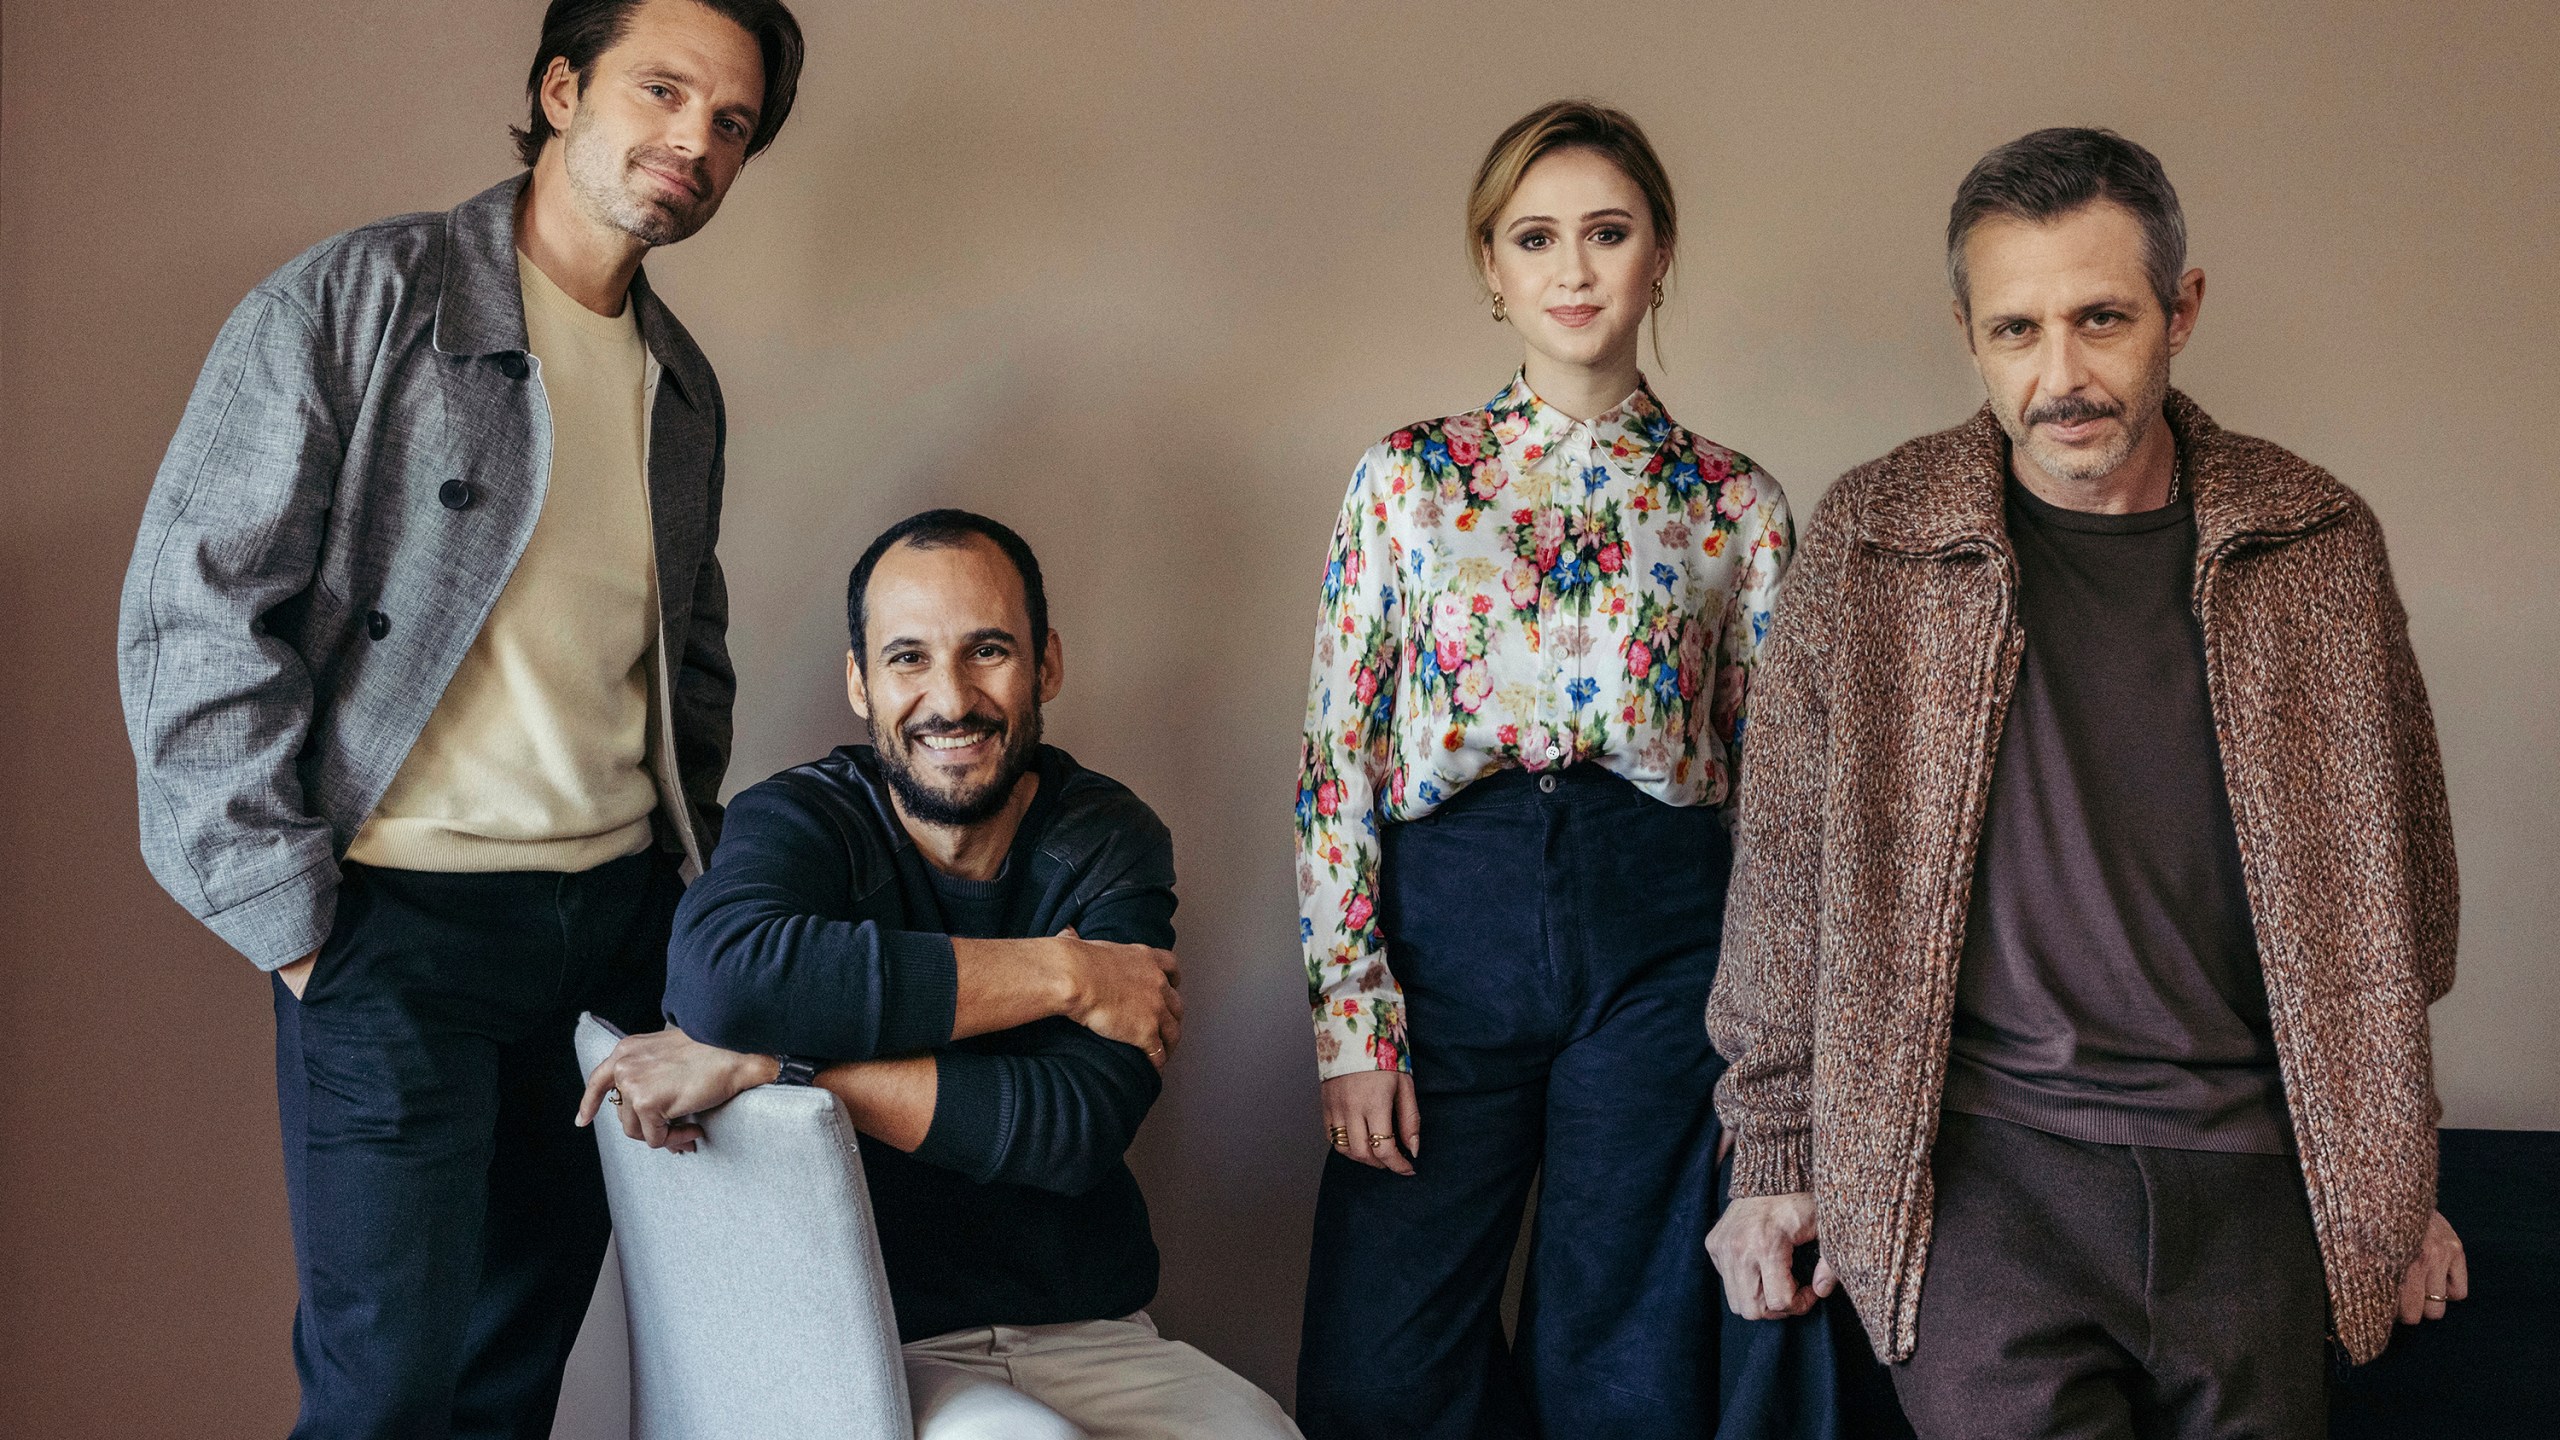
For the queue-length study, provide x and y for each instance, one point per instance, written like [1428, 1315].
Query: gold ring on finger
[1377, 1140]
[1341, 1134]
[614, 1095]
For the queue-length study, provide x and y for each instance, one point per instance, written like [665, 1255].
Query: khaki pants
[1092, 1380]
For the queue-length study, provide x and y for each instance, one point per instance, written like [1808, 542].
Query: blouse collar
[1639, 419]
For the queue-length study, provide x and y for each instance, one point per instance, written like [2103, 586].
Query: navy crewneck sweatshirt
[820, 930]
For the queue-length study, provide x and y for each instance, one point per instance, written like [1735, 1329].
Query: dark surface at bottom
[2487, 1370]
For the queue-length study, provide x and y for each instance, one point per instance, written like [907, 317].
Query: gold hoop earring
[1500, 314]
[1657, 294]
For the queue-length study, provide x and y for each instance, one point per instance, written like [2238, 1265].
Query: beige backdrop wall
[1144, 280]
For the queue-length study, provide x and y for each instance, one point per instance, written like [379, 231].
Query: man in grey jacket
[424, 664]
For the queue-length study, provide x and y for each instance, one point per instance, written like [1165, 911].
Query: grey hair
[2051, 173]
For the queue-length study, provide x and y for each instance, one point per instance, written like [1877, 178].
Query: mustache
[2071, 409]
[936, 726]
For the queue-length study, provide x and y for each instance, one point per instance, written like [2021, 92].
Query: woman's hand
[658, 1081]
[2438, 1275]
[1367, 1114]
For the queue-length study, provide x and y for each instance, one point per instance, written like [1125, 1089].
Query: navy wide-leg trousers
[448, 1215]
[1555, 937]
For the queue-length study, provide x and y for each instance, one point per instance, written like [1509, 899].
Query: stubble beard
[601, 178]
[2086, 466]
[931, 806]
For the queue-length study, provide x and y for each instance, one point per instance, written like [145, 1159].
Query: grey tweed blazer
[355, 477]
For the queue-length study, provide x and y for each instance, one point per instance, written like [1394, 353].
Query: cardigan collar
[1951, 494]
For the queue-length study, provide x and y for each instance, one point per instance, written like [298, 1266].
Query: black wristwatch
[796, 1070]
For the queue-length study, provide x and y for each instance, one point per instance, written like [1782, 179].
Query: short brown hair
[581, 30]
[1563, 125]
[2050, 173]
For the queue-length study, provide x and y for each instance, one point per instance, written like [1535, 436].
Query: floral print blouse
[1507, 588]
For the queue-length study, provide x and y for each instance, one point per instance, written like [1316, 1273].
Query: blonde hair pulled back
[1565, 125]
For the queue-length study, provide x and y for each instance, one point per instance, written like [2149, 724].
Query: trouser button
[1547, 783]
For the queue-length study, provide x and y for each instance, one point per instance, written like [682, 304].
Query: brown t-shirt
[2110, 988]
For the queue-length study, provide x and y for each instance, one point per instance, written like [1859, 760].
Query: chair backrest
[759, 1307]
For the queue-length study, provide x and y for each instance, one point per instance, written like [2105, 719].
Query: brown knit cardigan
[1874, 719]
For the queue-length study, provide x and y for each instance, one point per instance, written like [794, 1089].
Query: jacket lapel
[480, 306]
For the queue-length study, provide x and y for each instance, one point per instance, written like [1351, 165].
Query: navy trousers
[448, 1215]
[1555, 937]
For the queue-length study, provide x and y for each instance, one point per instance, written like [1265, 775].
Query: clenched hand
[1754, 1248]
[2439, 1274]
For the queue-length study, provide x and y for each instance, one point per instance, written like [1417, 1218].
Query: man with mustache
[2096, 877]
[965, 936]
[424, 664]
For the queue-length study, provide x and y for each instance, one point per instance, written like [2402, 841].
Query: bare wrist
[755, 1070]
[1067, 993]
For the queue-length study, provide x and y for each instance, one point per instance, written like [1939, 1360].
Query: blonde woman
[1539, 620]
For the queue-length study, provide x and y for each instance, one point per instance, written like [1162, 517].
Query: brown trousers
[2117, 1291]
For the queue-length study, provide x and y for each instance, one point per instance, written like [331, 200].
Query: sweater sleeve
[1760, 1013]
[1058, 1106]
[768, 957]
[2435, 891]
[1357, 1006]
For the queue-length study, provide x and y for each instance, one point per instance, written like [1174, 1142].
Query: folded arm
[1056, 1109]
[766, 958]
[1057, 1116]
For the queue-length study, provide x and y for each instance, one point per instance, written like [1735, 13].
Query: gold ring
[2437, 1298]
[614, 1095]
[1341, 1134]
[1155, 1052]
[1377, 1140]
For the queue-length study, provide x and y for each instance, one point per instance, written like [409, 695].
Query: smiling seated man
[965, 937]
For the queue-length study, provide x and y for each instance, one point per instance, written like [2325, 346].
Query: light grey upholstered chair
[752, 1275]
